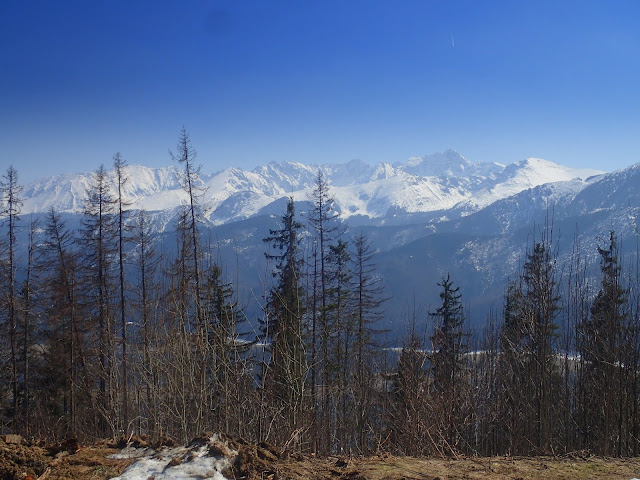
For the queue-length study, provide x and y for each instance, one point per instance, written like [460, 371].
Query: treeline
[556, 371]
[104, 336]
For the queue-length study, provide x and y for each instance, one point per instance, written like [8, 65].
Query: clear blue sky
[315, 81]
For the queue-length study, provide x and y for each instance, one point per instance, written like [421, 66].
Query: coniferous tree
[186, 155]
[188, 392]
[27, 306]
[145, 304]
[11, 205]
[541, 307]
[448, 338]
[340, 342]
[603, 337]
[287, 369]
[369, 297]
[528, 338]
[119, 165]
[450, 388]
[230, 352]
[196, 354]
[98, 249]
[64, 363]
[323, 220]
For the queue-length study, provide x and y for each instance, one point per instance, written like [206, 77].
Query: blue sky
[317, 81]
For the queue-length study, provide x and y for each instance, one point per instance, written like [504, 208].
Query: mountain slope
[426, 217]
[483, 250]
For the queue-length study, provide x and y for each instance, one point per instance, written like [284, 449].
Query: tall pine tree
[450, 389]
[11, 205]
[602, 346]
[287, 369]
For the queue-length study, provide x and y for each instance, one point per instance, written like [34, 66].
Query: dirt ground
[403, 468]
[71, 461]
[33, 461]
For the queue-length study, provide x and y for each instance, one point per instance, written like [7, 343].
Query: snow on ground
[203, 459]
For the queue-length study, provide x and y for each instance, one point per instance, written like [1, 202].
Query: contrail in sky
[453, 44]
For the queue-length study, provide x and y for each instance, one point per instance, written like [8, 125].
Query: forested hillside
[111, 329]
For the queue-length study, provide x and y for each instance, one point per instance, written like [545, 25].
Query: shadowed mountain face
[426, 217]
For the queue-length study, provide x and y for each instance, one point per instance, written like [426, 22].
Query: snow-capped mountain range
[425, 217]
[375, 194]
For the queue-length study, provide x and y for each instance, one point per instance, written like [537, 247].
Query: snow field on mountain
[420, 185]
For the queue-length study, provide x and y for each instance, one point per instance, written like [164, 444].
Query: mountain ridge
[422, 227]
[379, 193]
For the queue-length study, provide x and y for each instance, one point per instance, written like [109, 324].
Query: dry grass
[19, 462]
[496, 468]
[92, 462]
[88, 463]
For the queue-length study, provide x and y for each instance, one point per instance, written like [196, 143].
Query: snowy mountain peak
[448, 164]
[421, 185]
[539, 171]
[445, 164]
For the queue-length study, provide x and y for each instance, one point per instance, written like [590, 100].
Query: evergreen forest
[102, 335]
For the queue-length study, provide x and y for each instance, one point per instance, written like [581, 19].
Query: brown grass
[260, 462]
[496, 468]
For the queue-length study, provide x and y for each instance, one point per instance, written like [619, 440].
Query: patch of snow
[179, 463]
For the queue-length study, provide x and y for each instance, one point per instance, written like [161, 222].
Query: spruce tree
[448, 338]
[529, 366]
[602, 345]
[540, 310]
[287, 368]
[450, 388]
